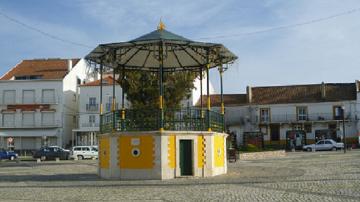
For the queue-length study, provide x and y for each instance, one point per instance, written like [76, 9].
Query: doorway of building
[295, 139]
[186, 157]
[274, 132]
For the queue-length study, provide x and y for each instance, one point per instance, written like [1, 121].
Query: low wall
[262, 155]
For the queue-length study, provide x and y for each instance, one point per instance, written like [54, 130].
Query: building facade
[39, 103]
[89, 108]
[297, 114]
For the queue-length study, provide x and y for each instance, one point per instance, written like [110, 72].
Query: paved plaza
[301, 176]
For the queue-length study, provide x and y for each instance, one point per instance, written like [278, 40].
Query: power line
[348, 12]
[43, 32]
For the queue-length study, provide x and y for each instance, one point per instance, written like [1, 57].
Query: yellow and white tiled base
[156, 155]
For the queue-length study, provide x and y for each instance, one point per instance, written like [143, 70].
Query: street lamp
[344, 136]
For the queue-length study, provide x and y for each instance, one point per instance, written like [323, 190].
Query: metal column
[161, 96]
[208, 92]
[101, 102]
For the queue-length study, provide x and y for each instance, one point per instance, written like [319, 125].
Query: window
[48, 96]
[109, 104]
[320, 142]
[29, 77]
[338, 112]
[9, 97]
[92, 101]
[47, 118]
[302, 114]
[91, 118]
[77, 149]
[92, 106]
[28, 96]
[265, 115]
[85, 149]
[8, 120]
[28, 119]
[308, 128]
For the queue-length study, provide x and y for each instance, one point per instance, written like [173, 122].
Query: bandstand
[161, 143]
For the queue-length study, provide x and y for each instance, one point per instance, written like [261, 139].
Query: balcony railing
[30, 126]
[90, 125]
[92, 107]
[189, 119]
[315, 117]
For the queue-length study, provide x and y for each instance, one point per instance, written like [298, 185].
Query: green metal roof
[180, 53]
[160, 35]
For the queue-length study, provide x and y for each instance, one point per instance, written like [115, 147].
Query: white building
[277, 111]
[39, 103]
[89, 108]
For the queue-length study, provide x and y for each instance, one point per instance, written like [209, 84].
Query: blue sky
[325, 51]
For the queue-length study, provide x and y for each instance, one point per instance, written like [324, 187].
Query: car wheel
[80, 157]
[334, 149]
[309, 149]
[12, 158]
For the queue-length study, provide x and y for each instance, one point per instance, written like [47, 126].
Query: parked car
[8, 154]
[322, 145]
[52, 152]
[84, 152]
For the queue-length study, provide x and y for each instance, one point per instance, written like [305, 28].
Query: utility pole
[344, 136]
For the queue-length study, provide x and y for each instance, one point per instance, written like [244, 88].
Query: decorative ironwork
[186, 119]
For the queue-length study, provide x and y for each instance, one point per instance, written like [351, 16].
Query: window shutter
[9, 97]
[8, 120]
[48, 118]
[48, 96]
[28, 97]
[28, 119]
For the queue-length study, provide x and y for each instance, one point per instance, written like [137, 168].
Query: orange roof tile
[309, 93]
[45, 68]
[106, 81]
[229, 100]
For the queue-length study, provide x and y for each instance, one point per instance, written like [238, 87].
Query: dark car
[50, 153]
[7, 154]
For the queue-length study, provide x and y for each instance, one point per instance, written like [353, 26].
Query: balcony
[92, 107]
[89, 125]
[293, 118]
[13, 126]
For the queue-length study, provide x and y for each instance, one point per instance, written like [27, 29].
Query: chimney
[323, 90]
[69, 65]
[248, 94]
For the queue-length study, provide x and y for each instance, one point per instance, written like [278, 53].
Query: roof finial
[161, 25]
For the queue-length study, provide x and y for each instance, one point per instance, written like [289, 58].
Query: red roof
[106, 82]
[229, 100]
[309, 93]
[40, 68]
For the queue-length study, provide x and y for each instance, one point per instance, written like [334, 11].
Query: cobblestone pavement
[320, 176]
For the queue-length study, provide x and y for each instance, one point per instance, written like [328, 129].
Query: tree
[142, 88]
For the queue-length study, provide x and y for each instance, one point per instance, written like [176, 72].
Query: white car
[322, 145]
[84, 152]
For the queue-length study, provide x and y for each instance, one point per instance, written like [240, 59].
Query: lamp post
[343, 120]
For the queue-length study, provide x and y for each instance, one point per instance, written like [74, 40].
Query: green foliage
[142, 88]
[250, 148]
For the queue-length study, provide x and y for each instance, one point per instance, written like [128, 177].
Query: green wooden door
[186, 163]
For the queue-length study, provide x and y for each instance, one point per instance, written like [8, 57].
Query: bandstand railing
[185, 119]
